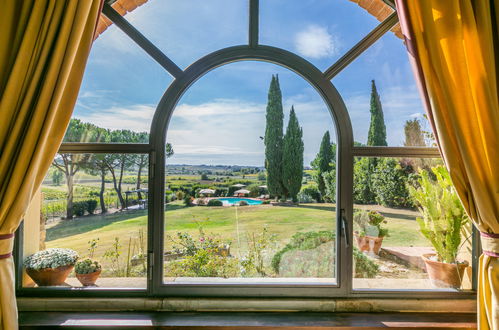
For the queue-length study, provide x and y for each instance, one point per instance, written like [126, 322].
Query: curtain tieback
[6, 245]
[490, 244]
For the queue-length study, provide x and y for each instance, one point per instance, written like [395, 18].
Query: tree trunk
[69, 200]
[117, 188]
[102, 189]
[139, 173]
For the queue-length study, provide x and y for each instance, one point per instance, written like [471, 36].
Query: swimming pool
[229, 201]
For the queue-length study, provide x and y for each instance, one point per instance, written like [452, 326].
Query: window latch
[344, 227]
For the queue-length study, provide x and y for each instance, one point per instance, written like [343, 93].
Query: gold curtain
[454, 49]
[44, 45]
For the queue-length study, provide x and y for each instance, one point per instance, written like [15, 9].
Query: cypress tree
[274, 139]
[377, 128]
[293, 157]
[323, 162]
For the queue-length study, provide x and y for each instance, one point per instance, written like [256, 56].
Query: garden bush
[389, 183]
[91, 205]
[362, 171]
[365, 267]
[243, 203]
[79, 208]
[302, 241]
[313, 192]
[214, 202]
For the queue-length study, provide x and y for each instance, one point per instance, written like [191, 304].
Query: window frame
[183, 79]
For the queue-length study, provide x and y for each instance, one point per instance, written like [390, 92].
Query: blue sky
[220, 118]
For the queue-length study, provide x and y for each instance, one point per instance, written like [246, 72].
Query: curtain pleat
[44, 46]
[453, 46]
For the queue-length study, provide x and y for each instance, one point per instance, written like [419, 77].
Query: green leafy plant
[91, 205]
[370, 223]
[389, 183]
[259, 244]
[443, 213]
[79, 208]
[92, 246]
[243, 203]
[204, 263]
[302, 241]
[365, 267]
[87, 266]
[51, 258]
[113, 254]
[214, 202]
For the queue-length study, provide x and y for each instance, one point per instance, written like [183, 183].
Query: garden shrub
[91, 205]
[329, 179]
[79, 208]
[362, 170]
[313, 192]
[364, 266]
[254, 189]
[304, 198]
[188, 200]
[389, 183]
[243, 203]
[302, 241]
[266, 202]
[204, 263]
[214, 202]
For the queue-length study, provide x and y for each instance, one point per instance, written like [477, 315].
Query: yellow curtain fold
[453, 46]
[44, 45]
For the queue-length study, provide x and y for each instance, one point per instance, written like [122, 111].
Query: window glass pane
[121, 87]
[386, 63]
[319, 30]
[95, 205]
[400, 206]
[186, 30]
[237, 231]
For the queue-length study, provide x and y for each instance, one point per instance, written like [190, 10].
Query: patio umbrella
[239, 185]
[263, 187]
[207, 191]
[242, 191]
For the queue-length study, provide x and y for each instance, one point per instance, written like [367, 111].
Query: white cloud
[316, 42]
[136, 117]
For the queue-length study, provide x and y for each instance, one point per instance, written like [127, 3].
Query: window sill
[35, 304]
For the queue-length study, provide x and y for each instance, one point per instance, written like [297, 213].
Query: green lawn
[225, 222]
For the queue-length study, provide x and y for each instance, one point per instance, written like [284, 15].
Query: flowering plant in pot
[372, 232]
[442, 222]
[51, 266]
[87, 271]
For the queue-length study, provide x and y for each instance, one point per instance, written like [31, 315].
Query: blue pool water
[235, 201]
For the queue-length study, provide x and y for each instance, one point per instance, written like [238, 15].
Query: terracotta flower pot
[444, 275]
[369, 244]
[88, 279]
[50, 276]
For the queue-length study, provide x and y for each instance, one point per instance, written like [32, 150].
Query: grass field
[225, 222]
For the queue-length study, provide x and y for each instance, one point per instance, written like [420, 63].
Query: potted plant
[371, 233]
[87, 271]
[443, 217]
[51, 266]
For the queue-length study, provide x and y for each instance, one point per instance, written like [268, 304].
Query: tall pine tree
[292, 158]
[377, 128]
[274, 139]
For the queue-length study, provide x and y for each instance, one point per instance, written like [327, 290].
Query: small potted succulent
[87, 271]
[371, 233]
[51, 266]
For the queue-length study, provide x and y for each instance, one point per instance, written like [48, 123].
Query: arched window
[246, 148]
